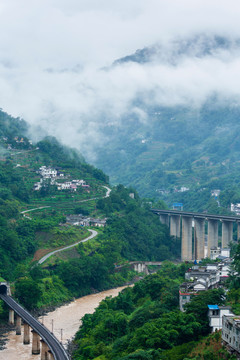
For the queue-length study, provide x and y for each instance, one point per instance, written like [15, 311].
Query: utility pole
[52, 325]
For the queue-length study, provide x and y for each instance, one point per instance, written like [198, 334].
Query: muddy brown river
[64, 322]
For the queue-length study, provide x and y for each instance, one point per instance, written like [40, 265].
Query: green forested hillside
[144, 322]
[132, 233]
[32, 222]
[20, 160]
[178, 147]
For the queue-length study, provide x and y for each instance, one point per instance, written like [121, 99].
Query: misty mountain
[191, 146]
[199, 46]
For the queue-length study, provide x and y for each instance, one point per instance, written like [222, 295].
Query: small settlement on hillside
[52, 175]
[80, 220]
[200, 278]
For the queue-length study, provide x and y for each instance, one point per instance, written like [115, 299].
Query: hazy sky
[52, 55]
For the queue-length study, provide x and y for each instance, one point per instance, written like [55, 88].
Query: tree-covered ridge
[19, 161]
[132, 231]
[138, 233]
[11, 127]
[67, 158]
[144, 322]
[181, 146]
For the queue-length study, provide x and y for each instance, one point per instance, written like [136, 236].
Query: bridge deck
[197, 215]
[54, 345]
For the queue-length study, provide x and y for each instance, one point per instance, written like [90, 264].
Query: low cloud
[56, 61]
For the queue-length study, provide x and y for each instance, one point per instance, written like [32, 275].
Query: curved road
[44, 207]
[54, 345]
[108, 191]
[94, 233]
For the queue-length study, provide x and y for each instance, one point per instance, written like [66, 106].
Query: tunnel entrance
[3, 289]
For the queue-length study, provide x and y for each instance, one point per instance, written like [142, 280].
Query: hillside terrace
[54, 174]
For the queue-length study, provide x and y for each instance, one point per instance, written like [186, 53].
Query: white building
[231, 333]
[215, 314]
[217, 252]
[235, 208]
[215, 193]
[183, 189]
[47, 172]
[202, 278]
[188, 290]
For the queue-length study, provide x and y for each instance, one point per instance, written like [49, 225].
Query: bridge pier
[141, 268]
[51, 357]
[238, 231]
[18, 325]
[175, 225]
[186, 238]
[11, 317]
[56, 347]
[26, 334]
[199, 233]
[212, 235]
[44, 351]
[164, 219]
[199, 238]
[227, 232]
[35, 343]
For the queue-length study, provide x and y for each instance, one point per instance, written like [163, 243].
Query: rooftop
[213, 307]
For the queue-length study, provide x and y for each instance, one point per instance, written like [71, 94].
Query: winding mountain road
[45, 257]
[80, 201]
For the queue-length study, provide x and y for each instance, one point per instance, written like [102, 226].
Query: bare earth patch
[40, 253]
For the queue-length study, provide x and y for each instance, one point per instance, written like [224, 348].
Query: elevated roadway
[193, 247]
[205, 216]
[54, 345]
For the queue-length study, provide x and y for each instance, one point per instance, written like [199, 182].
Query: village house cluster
[220, 317]
[200, 278]
[52, 175]
[15, 140]
[80, 220]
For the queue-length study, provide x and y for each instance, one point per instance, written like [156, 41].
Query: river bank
[63, 321]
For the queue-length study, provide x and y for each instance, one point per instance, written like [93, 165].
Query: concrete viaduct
[181, 223]
[51, 348]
